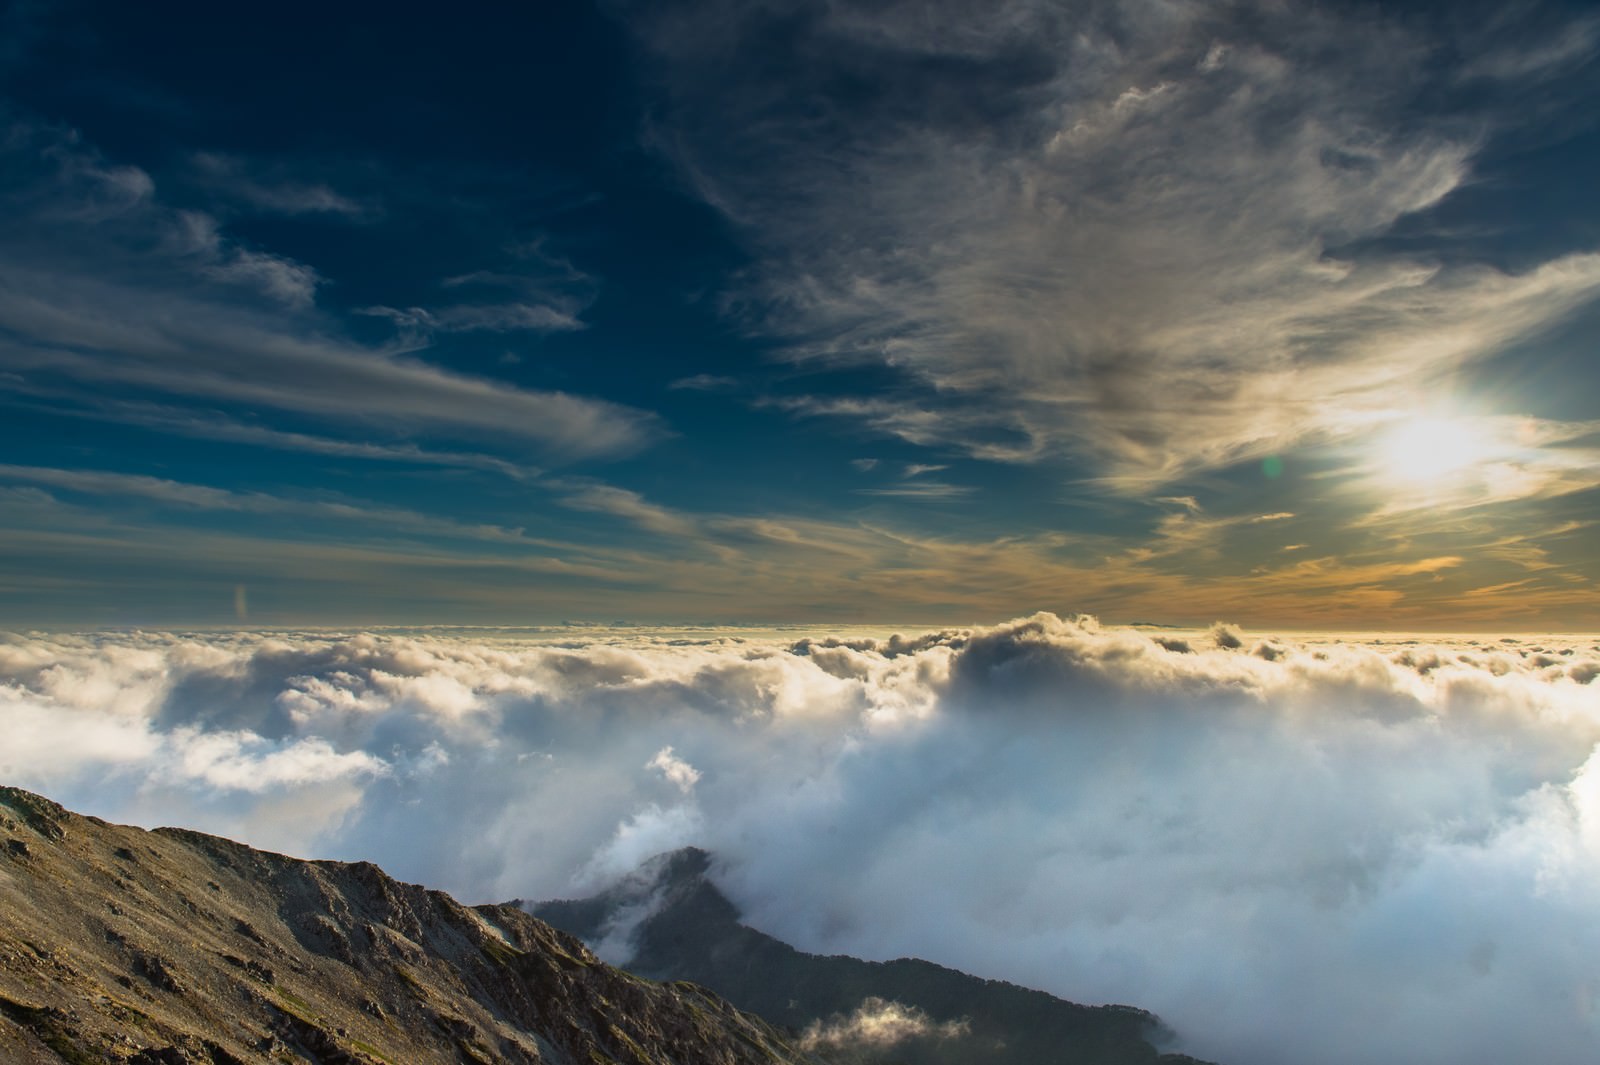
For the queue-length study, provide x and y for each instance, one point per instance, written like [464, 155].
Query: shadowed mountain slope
[172, 947]
[679, 926]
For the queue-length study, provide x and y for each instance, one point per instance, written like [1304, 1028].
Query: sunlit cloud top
[1319, 850]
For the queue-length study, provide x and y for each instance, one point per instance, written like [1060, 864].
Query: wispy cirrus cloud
[1142, 234]
[919, 490]
[212, 427]
[992, 435]
[633, 508]
[205, 424]
[206, 497]
[103, 287]
[914, 483]
[1536, 53]
[106, 334]
[535, 291]
[488, 318]
[277, 276]
[705, 382]
[275, 188]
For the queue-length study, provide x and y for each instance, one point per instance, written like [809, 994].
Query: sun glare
[1424, 451]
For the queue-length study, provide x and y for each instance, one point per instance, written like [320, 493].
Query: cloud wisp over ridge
[1291, 848]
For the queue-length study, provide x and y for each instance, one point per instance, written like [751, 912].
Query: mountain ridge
[681, 926]
[172, 947]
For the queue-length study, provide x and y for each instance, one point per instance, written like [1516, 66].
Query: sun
[1425, 451]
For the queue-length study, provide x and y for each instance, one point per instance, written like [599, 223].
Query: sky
[788, 311]
[1009, 449]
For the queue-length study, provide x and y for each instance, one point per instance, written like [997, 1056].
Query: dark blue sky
[785, 312]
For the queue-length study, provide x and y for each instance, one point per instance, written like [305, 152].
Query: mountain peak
[682, 867]
[667, 920]
[623, 922]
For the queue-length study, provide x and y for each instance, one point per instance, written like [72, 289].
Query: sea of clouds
[1294, 850]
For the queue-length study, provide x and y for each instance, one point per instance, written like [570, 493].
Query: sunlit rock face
[171, 946]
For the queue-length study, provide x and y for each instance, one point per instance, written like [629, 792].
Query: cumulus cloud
[1226, 636]
[244, 761]
[675, 769]
[1291, 848]
[876, 1025]
[1146, 233]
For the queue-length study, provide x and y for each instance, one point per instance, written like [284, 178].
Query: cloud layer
[1314, 850]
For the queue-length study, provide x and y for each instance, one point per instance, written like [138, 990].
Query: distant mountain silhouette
[904, 1012]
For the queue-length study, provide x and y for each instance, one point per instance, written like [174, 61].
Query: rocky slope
[166, 947]
[906, 1012]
